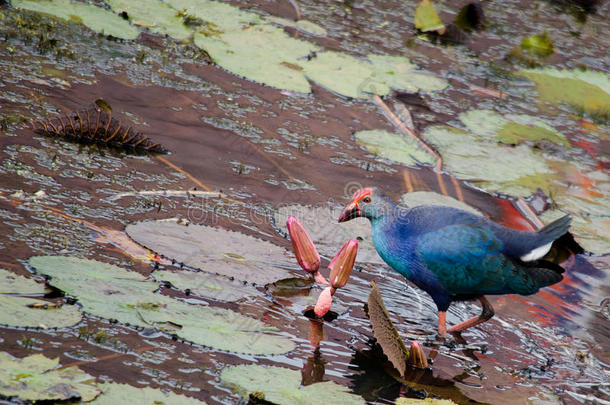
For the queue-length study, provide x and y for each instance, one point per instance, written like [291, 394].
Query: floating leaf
[592, 233]
[111, 292]
[427, 19]
[538, 45]
[283, 386]
[114, 394]
[215, 250]
[96, 18]
[326, 233]
[30, 312]
[305, 26]
[386, 334]
[154, 15]
[206, 285]
[33, 378]
[426, 401]
[584, 89]
[394, 147]
[417, 198]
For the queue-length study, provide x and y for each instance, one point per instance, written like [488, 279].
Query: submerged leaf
[215, 250]
[114, 394]
[33, 378]
[283, 386]
[30, 312]
[111, 292]
[427, 19]
[386, 334]
[394, 147]
[96, 18]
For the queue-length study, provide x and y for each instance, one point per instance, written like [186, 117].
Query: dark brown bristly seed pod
[98, 128]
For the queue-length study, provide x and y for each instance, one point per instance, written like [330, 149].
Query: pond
[128, 272]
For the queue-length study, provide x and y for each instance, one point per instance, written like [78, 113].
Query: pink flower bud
[325, 300]
[304, 249]
[417, 357]
[342, 264]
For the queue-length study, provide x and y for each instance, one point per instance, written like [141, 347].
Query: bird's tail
[555, 229]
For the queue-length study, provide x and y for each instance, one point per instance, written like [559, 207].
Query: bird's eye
[366, 199]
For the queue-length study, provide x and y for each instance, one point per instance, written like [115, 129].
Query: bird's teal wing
[469, 260]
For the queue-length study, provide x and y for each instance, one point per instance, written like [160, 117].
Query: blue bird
[454, 255]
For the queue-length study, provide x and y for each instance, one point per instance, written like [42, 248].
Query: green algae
[96, 18]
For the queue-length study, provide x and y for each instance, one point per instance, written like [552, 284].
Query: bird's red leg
[486, 314]
[442, 323]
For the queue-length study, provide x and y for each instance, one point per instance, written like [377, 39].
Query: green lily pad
[31, 312]
[354, 77]
[394, 147]
[111, 292]
[305, 26]
[485, 163]
[427, 19]
[426, 401]
[214, 250]
[96, 18]
[33, 378]
[418, 198]
[263, 53]
[114, 393]
[154, 15]
[283, 386]
[327, 234]
[511, 128]
[207, 285]
[538, 45]
[584, 89]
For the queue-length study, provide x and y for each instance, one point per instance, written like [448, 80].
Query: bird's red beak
[352, 210]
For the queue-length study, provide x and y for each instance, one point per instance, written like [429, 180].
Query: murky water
[263, 149]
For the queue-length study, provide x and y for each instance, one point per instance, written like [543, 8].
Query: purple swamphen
[454, 255]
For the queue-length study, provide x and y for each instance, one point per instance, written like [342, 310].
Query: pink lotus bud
[325, 300]
[304, 249]
[342, 264]
[417, 357]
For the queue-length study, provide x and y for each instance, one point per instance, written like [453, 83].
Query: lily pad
[592, 233]
[154, 15]
[427, 19]
[34, 378]
[31, 312]
[305, 26]
[485, 163]
[327, 234]
[206, 285]
[511, 128]
[354, 77]
[584, 89]
[426, 401]
[418, 198]
[114, 393]
[283, 386]
[111, 292]
[394, 147]
[214, 250]
[96, 18]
